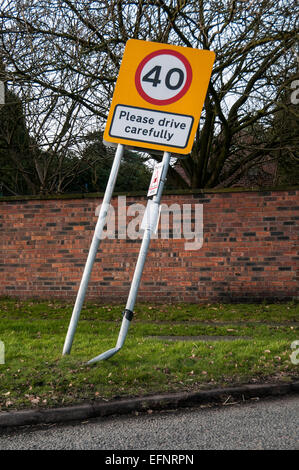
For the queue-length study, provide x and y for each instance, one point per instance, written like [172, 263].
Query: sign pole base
[150, 227]
[93, 250]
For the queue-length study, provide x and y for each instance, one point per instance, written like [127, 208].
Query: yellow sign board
[158, 97]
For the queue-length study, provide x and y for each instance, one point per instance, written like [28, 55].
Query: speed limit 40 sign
[158, 97]
[163, 77]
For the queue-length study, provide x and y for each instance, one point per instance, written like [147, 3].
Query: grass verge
[35, 373]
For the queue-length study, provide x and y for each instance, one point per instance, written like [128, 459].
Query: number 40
[153, 76]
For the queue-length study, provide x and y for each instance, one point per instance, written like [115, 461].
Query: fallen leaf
[34, 400]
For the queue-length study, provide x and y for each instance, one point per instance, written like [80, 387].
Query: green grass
[35, 373]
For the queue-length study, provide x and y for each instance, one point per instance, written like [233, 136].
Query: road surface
[255, 424]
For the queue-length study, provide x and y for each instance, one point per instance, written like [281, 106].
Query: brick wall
[249, 252]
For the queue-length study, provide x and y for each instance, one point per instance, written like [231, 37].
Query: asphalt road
[256, 424]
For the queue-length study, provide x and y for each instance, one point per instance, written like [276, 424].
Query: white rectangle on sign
[147, 125]
[156, 176]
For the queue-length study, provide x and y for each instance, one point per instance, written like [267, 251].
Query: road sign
[155, 181]
[163, 77]
[159, 96]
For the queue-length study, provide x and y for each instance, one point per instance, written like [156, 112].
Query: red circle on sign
[181, 93]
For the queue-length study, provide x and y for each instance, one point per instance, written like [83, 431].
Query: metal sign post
[151, 224]
[93, 250]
